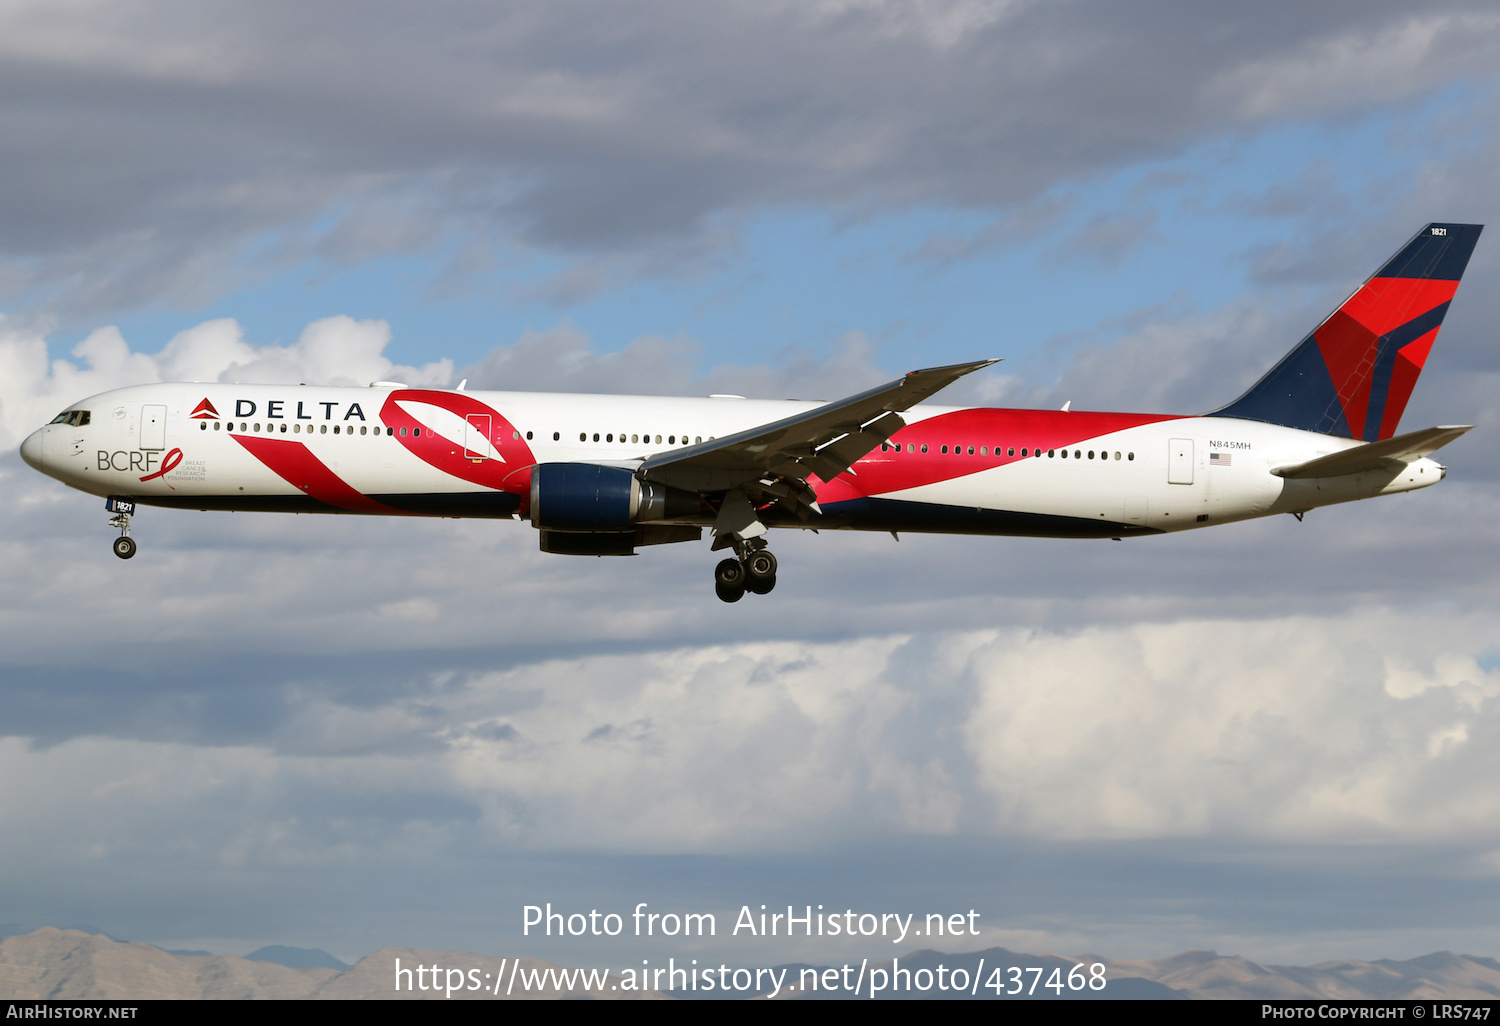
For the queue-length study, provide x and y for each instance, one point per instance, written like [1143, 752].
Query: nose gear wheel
[124, 546]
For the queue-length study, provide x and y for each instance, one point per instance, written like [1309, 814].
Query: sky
[1273, 739]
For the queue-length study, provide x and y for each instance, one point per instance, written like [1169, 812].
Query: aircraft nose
[31, 449]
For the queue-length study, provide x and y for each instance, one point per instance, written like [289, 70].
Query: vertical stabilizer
[1354, 374]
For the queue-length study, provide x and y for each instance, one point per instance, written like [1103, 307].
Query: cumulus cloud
[332, 351]
[1367, 729]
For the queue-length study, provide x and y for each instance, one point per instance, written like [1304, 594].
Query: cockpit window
[77, 418]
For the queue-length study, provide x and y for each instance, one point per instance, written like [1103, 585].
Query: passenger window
[528, 436]
[582, 437]
[658, 439]
[1117, 455]
[1091, 454]
[910, 447]
[983, 451]
[1012, 451]
[257, 428]
[1130, 456]
[1065, 454]
[557, 436]
[609, 437]
[697, 439]
[216, 425]
[945, 450]
[924, 446]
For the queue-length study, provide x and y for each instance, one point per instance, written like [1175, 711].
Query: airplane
[604, 475]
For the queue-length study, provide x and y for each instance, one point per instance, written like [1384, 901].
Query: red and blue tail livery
[609, 474]
[1354, 374]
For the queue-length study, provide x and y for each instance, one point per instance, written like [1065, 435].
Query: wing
[826, 441]
[1391, 455]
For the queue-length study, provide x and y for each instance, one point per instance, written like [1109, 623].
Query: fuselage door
[153, 427]
[477, 436]
[1180, 461]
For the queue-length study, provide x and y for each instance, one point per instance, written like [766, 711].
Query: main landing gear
[754, 570]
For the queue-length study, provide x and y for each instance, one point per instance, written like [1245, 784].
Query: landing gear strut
[753, 569]
[124, 545]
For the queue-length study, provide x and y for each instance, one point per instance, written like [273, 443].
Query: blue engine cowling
[588, 497]
[583, 497]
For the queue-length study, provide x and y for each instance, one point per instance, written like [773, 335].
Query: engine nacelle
[587, 497]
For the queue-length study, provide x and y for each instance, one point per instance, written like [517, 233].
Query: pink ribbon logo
[167, 465]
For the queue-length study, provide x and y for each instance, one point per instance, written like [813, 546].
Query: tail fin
[1353, 375]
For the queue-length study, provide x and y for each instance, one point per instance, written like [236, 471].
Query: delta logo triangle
[205, 411]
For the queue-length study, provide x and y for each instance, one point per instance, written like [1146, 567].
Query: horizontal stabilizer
[1391, 454]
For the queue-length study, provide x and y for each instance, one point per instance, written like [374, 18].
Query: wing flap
[1389, 455]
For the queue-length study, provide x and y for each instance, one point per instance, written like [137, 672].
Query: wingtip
[956, 369]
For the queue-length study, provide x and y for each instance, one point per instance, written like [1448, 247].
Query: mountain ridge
[53, 964]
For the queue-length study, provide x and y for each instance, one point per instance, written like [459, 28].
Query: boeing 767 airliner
[603, 475]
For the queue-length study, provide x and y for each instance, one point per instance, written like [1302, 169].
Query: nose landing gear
[753, 570]
[124, 545]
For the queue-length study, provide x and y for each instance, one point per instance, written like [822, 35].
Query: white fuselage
[157, 445]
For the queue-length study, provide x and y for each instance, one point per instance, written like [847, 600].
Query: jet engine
[591, 497]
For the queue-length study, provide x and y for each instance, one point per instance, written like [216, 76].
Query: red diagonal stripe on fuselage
[447, 454]
[882, 472]
[294, 463]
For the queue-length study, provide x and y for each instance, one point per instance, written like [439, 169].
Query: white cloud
[1260, 731]
[331, 351]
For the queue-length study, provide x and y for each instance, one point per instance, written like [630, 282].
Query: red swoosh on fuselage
[998, 430]
[295, 464]
[447, 454]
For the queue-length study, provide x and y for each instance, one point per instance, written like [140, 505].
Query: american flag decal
[1220, 459]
